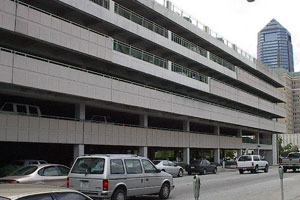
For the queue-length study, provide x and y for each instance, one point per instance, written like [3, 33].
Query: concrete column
[240, 133]
[258, 145]
[143, 151]
[217, 155]
[186, 156]
[169, 65]
[275, 149]
[217, 130]
[239, 152]
[144, 120]
[78, 150]
[186, 126]
[80, 111]
[111, 6]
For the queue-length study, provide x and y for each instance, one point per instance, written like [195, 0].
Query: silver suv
[117, 177]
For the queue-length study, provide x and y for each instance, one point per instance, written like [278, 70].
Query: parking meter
[280, 170]
[196, 186]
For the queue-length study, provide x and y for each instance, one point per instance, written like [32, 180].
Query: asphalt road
[230, 185]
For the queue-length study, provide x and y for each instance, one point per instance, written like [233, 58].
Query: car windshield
[156, 162]
[24, 171]
[89, 166]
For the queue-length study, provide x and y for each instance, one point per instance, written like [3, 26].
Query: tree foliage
[285, 150]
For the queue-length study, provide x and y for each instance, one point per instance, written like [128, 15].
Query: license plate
[84, 184]
[192, 167]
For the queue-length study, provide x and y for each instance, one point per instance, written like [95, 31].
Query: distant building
[292, 106]
[274, 46]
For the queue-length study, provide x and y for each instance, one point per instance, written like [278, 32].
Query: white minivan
[118, 176]
[21, 109]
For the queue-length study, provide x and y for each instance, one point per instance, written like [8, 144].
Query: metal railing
[248, 140]
[140, 54]
[265, 141]
[221, 61]
[126, 81]
[206, 29]
[103, 3]
[136, 18]
[189, 73]
[183, 42]
[58, 17]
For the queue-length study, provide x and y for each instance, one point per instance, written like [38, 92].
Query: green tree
[230, 154]
[288, 149]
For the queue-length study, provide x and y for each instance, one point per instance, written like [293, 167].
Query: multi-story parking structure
[128, 77]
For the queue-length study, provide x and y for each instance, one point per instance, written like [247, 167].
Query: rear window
[89, 166]
[294, 155]
[245, 158]
[24, 171]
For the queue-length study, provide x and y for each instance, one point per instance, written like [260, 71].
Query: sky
[239, 21]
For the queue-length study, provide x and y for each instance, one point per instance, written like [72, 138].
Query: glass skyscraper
[274, 47]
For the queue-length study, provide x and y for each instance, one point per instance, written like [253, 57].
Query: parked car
[118, 177]
[22, 109]
[252, 163]
[169, 167]
[292, 161]
[48, 174]
[34, 192]
[17, 164]
[201, 166]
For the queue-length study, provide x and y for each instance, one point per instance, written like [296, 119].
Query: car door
[166, 166]
[51, 176]
[134, 177]
[153, 178]
[209, 167]
[173, 168]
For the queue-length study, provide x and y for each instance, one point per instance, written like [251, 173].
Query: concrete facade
[122, 66]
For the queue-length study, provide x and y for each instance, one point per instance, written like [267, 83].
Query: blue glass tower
[274, 47]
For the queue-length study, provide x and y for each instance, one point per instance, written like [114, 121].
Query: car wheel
[241, 171]
[119, 194]
[266, 169]
[180, 173]
[256, 169]
[294, 170]
[204, 172]
[164, 191]
[215, 170]
[284, 169]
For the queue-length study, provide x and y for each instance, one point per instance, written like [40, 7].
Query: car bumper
[291, 166]
[245, 168]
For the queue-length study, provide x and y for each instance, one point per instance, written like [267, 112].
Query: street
[230, 185]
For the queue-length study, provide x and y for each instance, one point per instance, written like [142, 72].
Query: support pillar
[186, 156]
[217, 156]
[186, 126]
[143, 151]
[80, 111]
[258, 144]
[144, 120]
[275, 150]
[239, 152]
[78, 150]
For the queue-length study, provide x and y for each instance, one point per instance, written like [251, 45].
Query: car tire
[241, 171]
[164, 191]
[266, 169]
[215, 171]
[284, 169]
[256, 169]
[180, 173]
[119, 194]
[294, 170]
